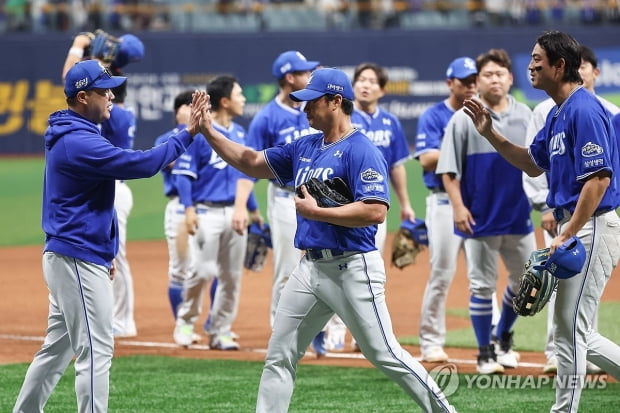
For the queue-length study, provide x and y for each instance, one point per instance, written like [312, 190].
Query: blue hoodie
[81, 166]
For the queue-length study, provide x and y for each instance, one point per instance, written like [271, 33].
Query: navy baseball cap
[461, 68]
[130, 49]
[292, 61]
[325, 81]
[90, 74]
[567, 260]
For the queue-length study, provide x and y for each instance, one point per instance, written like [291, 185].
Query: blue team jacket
[78, 215]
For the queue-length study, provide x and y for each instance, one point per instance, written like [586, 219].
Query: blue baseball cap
[90, 74]
[461, 68]
[292, 61]
[418, 230]
[325, 81]
[130, 49]
[567, 260]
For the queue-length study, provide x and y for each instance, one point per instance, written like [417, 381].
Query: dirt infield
[24, 309]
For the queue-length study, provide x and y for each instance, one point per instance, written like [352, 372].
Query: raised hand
[479, 115]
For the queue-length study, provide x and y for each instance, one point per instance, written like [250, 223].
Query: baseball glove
[409, 240]
[537, 285]
[258, 244]
[104, 46]
[328, 193]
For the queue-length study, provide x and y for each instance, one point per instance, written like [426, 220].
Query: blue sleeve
[258, 133]
[400, 146]
[280, 161]
[95, 155]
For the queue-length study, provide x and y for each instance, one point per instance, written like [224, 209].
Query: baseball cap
[130, 49]
[90, 74]
[325, 81]
[567, 260]
[461, 68]
[292, 61]
[418, 230]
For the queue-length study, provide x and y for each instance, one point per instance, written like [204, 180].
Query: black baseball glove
[328, 193]
[537, 285]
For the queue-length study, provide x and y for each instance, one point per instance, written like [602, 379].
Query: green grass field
[144, 384]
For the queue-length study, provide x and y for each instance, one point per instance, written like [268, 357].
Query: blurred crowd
[41, 16]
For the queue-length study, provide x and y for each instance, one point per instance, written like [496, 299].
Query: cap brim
[110, 83]
[305, 95]
[307, 65]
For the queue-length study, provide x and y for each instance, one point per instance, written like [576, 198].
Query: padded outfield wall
[30, 85]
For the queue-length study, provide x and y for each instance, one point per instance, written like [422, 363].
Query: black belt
[437, 190]
[314, 254]
[216, 204]
[561, 214]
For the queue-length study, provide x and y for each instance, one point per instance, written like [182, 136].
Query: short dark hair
[499, 56]
[183, 98]
[347, 105]
[120, 92]
[219, 88]
[559, 45]
[382, 77]
[588, 55]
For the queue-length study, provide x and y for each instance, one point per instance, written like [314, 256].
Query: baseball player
[120, 130]
[280, 122]
[341, 272]
[490, 210]
[81, 237]
[578, 150]
[179, 247]
[207, 187]
[444, 244]
[537, 189]
[385, 131]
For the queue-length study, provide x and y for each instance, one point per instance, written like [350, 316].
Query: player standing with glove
[341, 272]
[578, 149]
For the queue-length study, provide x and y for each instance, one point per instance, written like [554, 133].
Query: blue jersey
[166, 173]
[431, 128]
[578, 140]
[81, 166]
[120, 129]
[277, 124]
[203, 176]
[356, 161]
[385, 131]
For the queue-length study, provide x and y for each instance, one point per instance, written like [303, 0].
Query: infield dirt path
[24, 304]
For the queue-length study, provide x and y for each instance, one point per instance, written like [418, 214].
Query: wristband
[77, 52]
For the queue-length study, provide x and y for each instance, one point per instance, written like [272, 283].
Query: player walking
[537, 189]
[207, 187]
[81, 237]
[342, 272]
[578, 149]
[490, 209]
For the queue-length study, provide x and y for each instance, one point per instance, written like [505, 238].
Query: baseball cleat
[487, 361]
[435, 355]
[551, 367]
[184, 335]
[223, 342]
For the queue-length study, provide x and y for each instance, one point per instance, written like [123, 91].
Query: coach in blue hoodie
[81, 237]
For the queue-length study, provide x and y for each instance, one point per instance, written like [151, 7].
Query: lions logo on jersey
[591, 149]
[556, 145]
[370, 175]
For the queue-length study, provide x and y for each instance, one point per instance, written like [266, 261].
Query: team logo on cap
[335, 88]
[81, 83]
[370, 175]
[591, 149]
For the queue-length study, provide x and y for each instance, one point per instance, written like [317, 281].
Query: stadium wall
[31, 88]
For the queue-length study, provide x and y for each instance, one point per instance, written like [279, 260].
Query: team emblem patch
[370, 176]
[591, 149]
